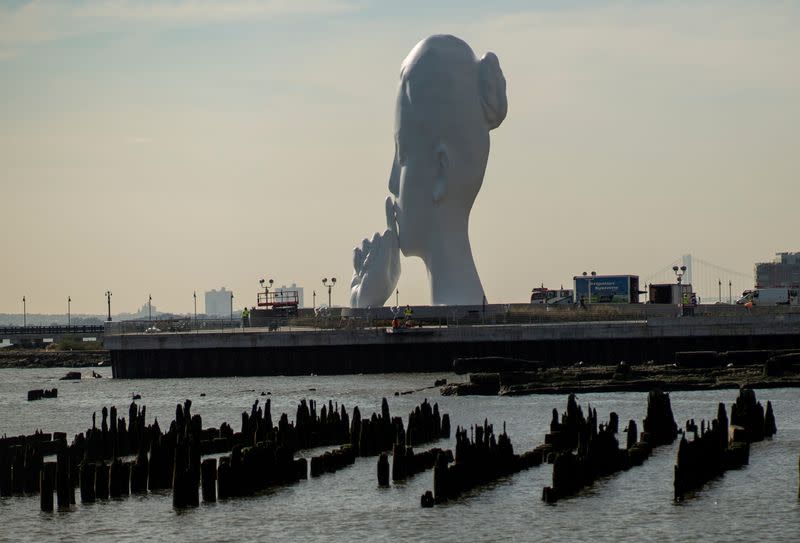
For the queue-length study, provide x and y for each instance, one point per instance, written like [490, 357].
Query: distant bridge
[712, 283]
[37, 334]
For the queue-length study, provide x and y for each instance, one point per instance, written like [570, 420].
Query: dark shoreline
[640, 378]
[40, 358]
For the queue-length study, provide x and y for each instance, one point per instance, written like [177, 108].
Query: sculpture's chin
[405, 250]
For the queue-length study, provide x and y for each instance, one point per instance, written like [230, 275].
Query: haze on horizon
[170, 147]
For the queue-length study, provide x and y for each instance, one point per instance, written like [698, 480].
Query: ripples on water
[759, 502]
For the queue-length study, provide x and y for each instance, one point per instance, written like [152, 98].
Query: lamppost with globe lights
[194, 295]
[679, 272]
[69, 317]
[24, 312]
[266, 284]
[329, 284]
[149, 307]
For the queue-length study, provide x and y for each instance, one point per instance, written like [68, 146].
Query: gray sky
[163, 148]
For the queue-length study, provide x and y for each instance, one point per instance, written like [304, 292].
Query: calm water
[757, 503]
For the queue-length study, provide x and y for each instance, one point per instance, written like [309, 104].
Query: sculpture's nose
[394, 179]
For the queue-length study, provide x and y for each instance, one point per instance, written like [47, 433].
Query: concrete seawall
[260, 352]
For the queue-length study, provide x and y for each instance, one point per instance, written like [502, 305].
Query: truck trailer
[771, 296]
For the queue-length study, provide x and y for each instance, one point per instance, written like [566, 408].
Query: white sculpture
[447, 103]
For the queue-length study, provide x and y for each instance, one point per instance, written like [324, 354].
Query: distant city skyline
[168, 148]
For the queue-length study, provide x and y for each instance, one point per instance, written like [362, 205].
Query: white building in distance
[218, 302]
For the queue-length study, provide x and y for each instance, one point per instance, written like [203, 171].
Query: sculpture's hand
[376, 265]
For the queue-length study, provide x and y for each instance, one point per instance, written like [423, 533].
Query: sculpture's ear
[442, 173]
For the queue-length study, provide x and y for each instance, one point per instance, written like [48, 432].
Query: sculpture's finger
[358, 259]
[391, 215]
[392, 248]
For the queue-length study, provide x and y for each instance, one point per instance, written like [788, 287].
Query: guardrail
[51, 330]
[497, 314]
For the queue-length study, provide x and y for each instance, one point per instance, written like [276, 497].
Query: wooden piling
[64, 486]
[224, 476]
[119, 479]
[101, 487]
[47, 476]
[139, 472]
[208, 470]
[87, 482]
[383, 470]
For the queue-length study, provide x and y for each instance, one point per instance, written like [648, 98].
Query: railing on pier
[491, 315]
[57, 330]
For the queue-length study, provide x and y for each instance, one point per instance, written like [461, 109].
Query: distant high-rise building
[784, 271]
[294, 287]
[218, 302]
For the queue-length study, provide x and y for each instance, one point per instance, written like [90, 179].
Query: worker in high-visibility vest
[685, 304]
[245, 317]
[407, 313]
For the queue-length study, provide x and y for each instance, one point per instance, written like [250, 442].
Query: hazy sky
[166, 147]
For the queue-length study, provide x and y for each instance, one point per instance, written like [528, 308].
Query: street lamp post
[397, 298]
[730, 292]
[330, 285]
[69, 319]
[719, 290]
[231, 306]
[194, 295]
[150, 307]
[679, 272]
[314, 299]
[24, 313]
[266, 285]
[108, 298]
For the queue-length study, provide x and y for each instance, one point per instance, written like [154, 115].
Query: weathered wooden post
[383, 470]
[441, 487]
[770, 429]
[208, 472]
[18, 470]
[87, 482]
[47, 477]
[63, 484]
[139, 472]
[120, 474]
[398, 463]
[101, 480]
[224, 476]
[633, 434]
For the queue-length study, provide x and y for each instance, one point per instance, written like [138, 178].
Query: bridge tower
[686, 260]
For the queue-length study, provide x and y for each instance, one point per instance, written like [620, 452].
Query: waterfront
[758, 502]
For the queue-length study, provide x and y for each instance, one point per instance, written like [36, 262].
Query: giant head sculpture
[447, 102]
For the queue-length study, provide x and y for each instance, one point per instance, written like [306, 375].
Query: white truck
[771, 296]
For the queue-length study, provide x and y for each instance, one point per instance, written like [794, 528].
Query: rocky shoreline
[623, 378]
[40, 358]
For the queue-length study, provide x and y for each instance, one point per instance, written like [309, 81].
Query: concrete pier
[258, 351]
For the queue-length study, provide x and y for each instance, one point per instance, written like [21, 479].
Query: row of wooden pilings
[425, 424]
[584, 450]
[260, 455]
[581, 449]
[720, 446]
